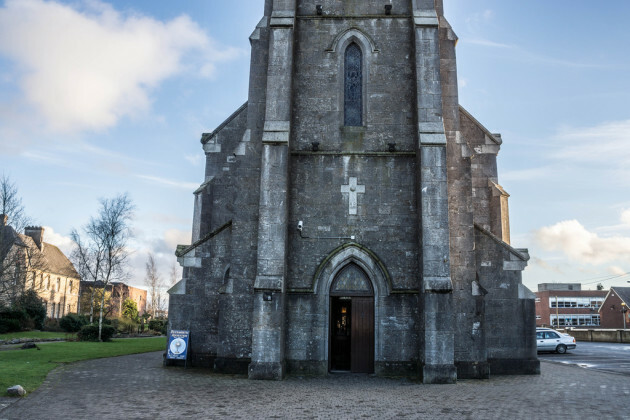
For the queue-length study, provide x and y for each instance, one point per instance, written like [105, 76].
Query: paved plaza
[137, 386]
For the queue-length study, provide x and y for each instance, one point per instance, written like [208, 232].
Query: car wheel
[561, 349]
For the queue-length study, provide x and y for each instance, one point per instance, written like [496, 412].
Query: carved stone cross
[352, 190]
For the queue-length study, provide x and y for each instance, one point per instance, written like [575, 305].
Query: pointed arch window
[351, 281]
[353, 86]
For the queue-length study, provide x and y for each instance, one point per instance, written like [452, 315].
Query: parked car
[552, 340]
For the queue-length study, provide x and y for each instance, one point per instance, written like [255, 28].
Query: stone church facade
[351, 218]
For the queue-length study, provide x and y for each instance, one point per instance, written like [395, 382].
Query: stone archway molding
[345, 254]
[344, 38]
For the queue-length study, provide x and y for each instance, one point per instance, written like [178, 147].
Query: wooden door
[362, 335]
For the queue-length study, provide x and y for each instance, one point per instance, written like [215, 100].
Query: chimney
[4, 218]
[37, 233]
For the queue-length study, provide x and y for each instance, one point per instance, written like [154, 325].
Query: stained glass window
[351, 280]
[353, 86]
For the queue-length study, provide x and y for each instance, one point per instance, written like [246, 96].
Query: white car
[552, 340]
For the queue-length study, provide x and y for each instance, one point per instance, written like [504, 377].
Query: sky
[99, 98]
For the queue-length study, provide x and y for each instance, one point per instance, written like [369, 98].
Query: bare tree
[11, 204]
[17, 261]
[102, 255]
[155, 285]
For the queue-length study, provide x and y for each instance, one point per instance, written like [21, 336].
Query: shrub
[12, 320]
[130, 309]
[52, 324]
[34, 307]
[90, 333]
[127, 326]
[73, 322]
[158, 325]
[9, 325]
[113, 322]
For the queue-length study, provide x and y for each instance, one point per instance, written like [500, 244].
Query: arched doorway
[351, 343]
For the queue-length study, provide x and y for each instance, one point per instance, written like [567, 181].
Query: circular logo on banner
[178, 346]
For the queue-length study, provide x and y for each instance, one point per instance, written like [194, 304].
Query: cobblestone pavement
[138, 386]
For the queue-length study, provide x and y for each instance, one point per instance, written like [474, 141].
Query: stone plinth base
[439, 374]
[231, 365]
[273, 371]
[514, 366]
[473, 370]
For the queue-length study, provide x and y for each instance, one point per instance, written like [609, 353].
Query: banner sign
[178, 345]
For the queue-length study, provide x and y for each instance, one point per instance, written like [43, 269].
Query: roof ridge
[501, 242]
[480, 125]
[183, 249]
[205, 137]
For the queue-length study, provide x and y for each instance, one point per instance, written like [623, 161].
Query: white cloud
[163, 250]
[625, 217]
[486, 43]
[476, 21]
[174, 237]
[194, 160]
[617, 271]
[86, 69]
[64, 243]
[606, 144]
[582, 246]
[169, 183]
[527, 174]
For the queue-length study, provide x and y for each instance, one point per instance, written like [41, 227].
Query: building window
[48, 283]
[52, 311]
[353, 86]
[576, 302]
[569, 320]
[58, 284]
[70, 286]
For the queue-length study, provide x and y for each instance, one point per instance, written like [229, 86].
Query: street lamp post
[624, 309]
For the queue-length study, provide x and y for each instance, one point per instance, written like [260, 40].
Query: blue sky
[98, 98]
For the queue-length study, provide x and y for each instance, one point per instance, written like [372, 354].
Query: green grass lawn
[30, 367]
[37, 334]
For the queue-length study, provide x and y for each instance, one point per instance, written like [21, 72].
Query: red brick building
[118, 292]
[567, 305]
[612, 310]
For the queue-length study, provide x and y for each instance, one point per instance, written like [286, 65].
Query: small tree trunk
[100, 318]
[78, 301]
[92, 305]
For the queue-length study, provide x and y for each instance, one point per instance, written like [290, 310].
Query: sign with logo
[178, 345]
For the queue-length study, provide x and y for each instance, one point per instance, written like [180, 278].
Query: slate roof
[185, 249]
[49, 259]
[490, 135]
[623, 293]
[205, 137]
[518, 253]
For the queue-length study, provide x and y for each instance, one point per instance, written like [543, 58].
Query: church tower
[351, 218]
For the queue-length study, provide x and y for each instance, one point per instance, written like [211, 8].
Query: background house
[611, 311]
[567, 305]
[27, 262]
[115, 295]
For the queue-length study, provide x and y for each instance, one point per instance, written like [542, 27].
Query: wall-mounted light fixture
[319, 9]
[315, 146]
[267, 296]
[388, 9]
[392, 147]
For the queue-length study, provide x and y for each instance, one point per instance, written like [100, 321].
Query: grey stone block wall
[398, 196]
[510, 316]
[352, 7]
